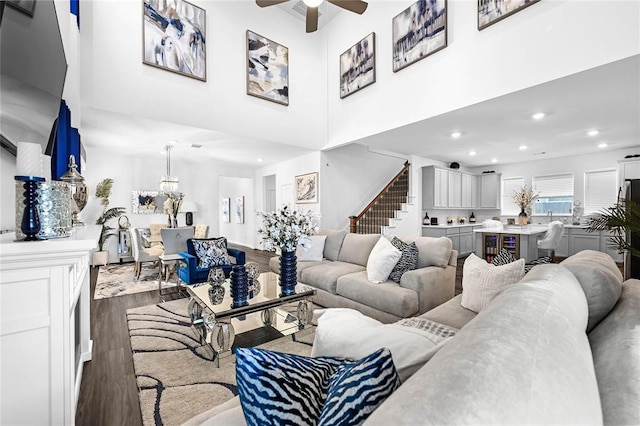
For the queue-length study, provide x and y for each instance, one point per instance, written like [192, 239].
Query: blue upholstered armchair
[190, 273]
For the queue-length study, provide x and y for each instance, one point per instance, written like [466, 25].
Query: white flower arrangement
[172, 204]
[287, 228]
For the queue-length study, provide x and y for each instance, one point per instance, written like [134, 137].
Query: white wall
[237, 233]
[350, 178]
[285, 174]
[7, 191]
[545, 41]
[115, 79]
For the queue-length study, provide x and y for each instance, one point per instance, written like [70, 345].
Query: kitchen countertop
[515, 229]
[453, 225]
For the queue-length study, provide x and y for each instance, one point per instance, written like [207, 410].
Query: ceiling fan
[356, 6]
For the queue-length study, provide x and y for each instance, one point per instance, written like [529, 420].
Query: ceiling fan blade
[356, 6]
[265, 3]
[312, 19]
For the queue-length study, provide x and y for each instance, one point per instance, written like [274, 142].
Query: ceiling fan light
[313, 3]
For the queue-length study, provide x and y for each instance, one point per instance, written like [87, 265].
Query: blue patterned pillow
[279, 388]
[211, 253]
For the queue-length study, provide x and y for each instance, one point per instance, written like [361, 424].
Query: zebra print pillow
[408, 259]
[280, 388]
[503, 258]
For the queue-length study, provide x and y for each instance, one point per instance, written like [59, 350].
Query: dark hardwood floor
[108, 392]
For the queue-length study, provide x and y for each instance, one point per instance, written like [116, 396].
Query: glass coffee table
[217, 324]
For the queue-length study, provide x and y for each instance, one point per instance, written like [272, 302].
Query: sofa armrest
[453, 260]
[239, 255]
[434, 285]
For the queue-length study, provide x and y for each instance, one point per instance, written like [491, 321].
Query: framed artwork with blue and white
[174, 37]
[267, 69]
[492, 11]
[358, 66]
[419, 31]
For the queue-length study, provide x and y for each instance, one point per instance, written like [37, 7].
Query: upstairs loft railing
[383, 206]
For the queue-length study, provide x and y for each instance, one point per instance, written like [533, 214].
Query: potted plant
[524, 198]
[103, 191]
[621, 219]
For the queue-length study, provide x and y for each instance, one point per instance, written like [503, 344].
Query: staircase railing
[383, 206]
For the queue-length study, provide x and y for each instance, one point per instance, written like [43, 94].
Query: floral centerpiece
[523, 198]
[287, 228]
[171, 207]
[284, 230]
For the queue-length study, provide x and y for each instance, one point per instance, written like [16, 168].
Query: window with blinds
[509, 186]
[556, 194]
[600, 190]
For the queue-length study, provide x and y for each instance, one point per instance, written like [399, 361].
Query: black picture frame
[492, 11]
[358, 66]
[419, 31]
[25, 6]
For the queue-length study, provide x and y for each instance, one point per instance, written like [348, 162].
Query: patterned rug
[176, 380]
[117, 280]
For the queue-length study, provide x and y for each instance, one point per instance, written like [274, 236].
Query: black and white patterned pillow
[281, 388]
[211, 252]
[539, 261]
[408, 260]
[503, 258]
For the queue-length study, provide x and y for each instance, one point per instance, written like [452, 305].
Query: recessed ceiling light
[494, 160]
[593, 132]
[602, 145]
[259, 160]
[472, 153]
[173, 143]
[456, 135]
[523, 147]
[538, 115]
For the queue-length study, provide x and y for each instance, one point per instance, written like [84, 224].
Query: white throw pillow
[346, 333]
[481, 281]
[382, 259]
[315, 250]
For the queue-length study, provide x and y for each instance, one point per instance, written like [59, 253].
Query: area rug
[176, 380]
[118, 280]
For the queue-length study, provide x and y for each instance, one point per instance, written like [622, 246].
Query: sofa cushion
[281, 388]
[408, 260]
[347, 333]
[325, 275]
[481, 280]
[315, 250]
[333, 243]
[382, 260]
[432, 251]
[600, 279]
[451, 313]
[357, 247]
[615, 344]
[211, 252]
[387, 296]
[525, 359]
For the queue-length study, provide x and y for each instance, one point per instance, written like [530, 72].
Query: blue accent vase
[239, 286]
[30, 224]
[288, 275]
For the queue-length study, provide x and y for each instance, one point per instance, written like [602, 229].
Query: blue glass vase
[288, 275]
[239, 286]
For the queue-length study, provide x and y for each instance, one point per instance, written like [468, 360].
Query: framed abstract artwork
[174, 37]
[147, 202]
[358, 66]
[492, 11]
[306, 188]
[239, 210]
[419, 31]
[267, 69]
[225, 210]
[24, 6]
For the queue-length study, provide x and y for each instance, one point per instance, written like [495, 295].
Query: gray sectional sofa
[561, 346]
[340, 279]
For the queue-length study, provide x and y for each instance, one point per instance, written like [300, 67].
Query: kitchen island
[521, 241]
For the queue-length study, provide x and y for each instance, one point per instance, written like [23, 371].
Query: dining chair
[142, 254]
[201, 231]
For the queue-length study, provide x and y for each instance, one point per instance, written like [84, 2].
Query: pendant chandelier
[169, 183]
